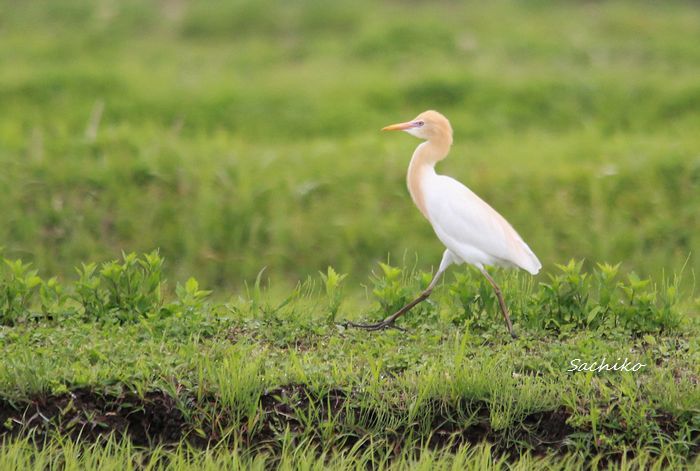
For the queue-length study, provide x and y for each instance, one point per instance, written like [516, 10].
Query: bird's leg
[389, 321]
[501, 302]
[447, 259]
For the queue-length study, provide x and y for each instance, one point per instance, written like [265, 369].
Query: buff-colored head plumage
[435, 126]
[429, 125]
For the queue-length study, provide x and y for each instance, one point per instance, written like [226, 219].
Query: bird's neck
[422, 166]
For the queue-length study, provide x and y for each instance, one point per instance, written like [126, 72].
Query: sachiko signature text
[578, 364]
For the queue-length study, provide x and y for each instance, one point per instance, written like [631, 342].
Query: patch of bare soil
[86, 415]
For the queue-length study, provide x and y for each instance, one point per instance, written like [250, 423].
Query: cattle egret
[470, 229]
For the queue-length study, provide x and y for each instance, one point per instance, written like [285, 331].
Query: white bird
[471, 230]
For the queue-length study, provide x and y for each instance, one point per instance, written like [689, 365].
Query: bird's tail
[529, 260]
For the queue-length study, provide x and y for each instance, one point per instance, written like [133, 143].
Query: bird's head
[429, 125]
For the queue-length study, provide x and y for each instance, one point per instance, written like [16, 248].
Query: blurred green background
[235, 135]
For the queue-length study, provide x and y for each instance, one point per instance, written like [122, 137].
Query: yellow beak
[399, 126]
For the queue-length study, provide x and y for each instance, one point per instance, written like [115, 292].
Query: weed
[575, 300]
[123, 291]
[333, 283]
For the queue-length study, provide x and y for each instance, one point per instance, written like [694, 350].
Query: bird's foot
[375, 327]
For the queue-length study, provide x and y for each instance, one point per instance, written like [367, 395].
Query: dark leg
[447, 259]
[389, 321]
[501, 302]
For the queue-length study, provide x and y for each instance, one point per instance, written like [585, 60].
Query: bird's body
[471, 230]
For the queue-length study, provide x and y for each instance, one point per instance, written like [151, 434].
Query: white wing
[472, 229]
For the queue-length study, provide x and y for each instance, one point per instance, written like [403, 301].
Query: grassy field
[240, 139]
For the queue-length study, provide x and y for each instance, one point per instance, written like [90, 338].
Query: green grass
[237, 135]
[240, 139]
[67, 455]
[277, 379]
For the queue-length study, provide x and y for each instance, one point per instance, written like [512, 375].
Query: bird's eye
[420, 123]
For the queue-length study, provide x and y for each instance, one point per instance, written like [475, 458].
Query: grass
[279, 379]
[240, 139]
[67, 455]
[252, 137]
